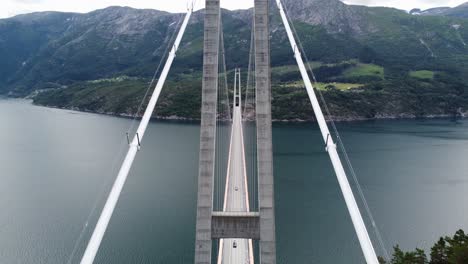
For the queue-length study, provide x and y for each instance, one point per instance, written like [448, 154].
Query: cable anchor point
[326, 142]
[138, 138]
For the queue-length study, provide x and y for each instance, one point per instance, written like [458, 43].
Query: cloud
[29, 1]
[409, 4]
[14, 7]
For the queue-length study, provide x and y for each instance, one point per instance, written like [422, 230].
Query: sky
[14, 7]
[408, 4]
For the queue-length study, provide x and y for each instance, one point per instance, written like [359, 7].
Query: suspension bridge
[242, 225]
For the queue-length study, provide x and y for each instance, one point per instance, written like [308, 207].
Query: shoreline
[279, 121]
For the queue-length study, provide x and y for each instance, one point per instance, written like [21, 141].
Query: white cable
[341, 145]
[356, 217]
[104, 219]
[225, 90]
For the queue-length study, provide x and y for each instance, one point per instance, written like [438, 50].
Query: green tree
[458, 250]
[448, 250]
[382, 260]
[460, 255]
[415, 257]
[439, 252]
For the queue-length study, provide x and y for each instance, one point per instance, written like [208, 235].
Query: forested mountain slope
[371, 62]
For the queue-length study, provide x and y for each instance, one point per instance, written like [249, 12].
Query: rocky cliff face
[50, 49]
[333, 14]
[458, 11]
[76, 43]
[404, 65]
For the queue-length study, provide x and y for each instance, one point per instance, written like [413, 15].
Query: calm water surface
[57, 165]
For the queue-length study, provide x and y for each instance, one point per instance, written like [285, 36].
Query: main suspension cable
[123, 143]
[134, 146]
[340, 142]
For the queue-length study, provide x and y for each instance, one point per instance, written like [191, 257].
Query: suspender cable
[106, 214]
[356, 217]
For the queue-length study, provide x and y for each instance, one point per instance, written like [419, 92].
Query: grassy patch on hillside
[364, 70]
[425, 75]
[293, 68]
[324, 86]
[339, 86]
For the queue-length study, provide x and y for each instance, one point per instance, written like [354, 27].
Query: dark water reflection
[56, 165]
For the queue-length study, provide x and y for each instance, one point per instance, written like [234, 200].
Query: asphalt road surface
[236, 251]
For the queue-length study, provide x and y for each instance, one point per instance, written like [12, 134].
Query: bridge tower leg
[264, 133]
[215, 225]
[203, 243]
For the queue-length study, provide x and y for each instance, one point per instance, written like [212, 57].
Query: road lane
[236, 251]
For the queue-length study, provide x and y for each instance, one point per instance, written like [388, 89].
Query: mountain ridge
[352, 47]
[458, 11]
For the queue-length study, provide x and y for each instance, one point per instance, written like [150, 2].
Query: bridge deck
[238, 251]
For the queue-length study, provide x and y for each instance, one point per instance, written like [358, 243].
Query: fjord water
[57, 165]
